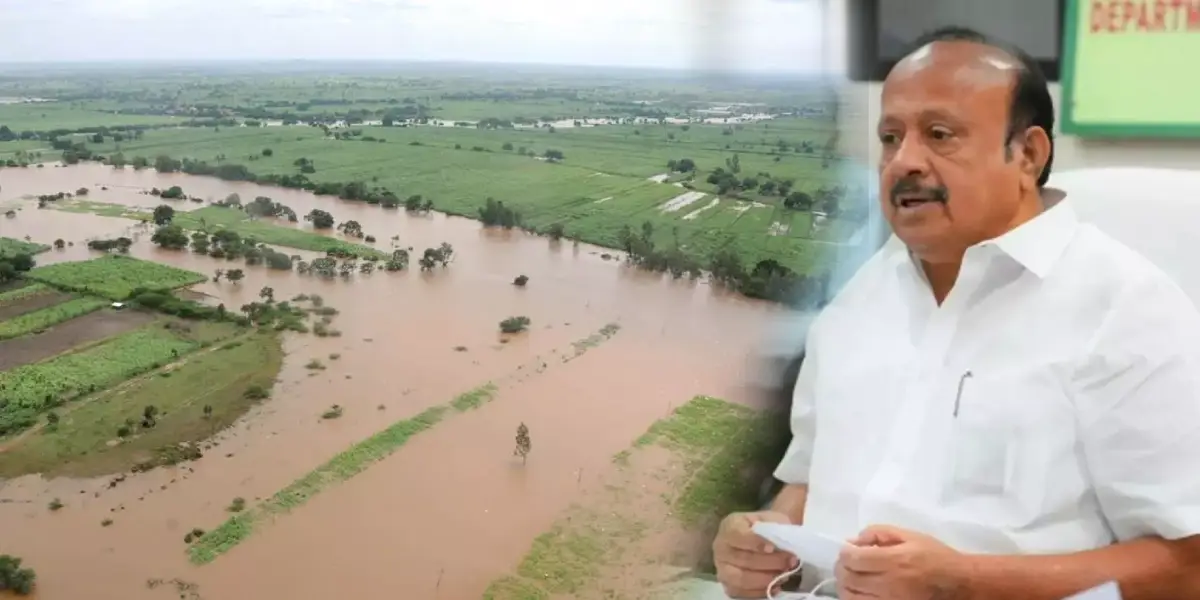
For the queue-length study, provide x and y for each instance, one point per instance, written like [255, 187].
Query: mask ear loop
[804, 596]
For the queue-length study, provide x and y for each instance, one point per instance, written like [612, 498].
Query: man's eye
[939, 133]
[888, 138]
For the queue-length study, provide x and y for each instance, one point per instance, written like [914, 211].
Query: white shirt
[1077, 426]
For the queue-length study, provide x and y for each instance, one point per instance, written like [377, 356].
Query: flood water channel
[451, 510]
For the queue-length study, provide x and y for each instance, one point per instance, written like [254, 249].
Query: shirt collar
[1036, 244]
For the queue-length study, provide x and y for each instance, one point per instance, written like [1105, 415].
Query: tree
[217, 275]
[268, 152]
[798, 201]
[13, 578]
[171, 237]
[521, 280]
[173, 193]
[267, 293]
[59, 244]
[319, 219]
[163, 214]
[351, 228]
[514, 324]
[524, 445]
[556, 231]
[235, 275]
[445, 253]
[554, 155]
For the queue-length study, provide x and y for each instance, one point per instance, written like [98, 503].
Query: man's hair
[1031, 103]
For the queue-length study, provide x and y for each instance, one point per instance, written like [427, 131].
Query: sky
[759, 35]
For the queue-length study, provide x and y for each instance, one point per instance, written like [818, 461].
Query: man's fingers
[775, 562]
[881, 535]
[868, 560]
[740, 583]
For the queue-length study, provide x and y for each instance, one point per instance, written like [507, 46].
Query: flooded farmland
[451, 510]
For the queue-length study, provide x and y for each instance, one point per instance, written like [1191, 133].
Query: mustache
[912, 187]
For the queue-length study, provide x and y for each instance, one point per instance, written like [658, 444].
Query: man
[1003, 402]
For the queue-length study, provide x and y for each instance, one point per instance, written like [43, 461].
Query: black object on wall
[876, 29]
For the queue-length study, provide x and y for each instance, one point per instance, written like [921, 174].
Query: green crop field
[47, 116]
[29, 390]
[267, 231]
[11, 247]
[602, 185]
[462, 135]
[23, 292]
[53, 315]
[114, 276]
[218, 378]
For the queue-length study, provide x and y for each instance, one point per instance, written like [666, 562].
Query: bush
[514, 324]
[256, 392]
[13, 578]
[520, 281]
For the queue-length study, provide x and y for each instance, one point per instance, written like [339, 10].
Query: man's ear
[1035, 152]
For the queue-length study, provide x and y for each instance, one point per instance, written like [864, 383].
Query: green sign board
[1129, 68]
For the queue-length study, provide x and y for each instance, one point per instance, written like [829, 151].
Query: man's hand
[887, 562]
[746, 563]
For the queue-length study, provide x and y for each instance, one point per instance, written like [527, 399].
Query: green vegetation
[218, 378]
[741, 180]
[23, 292]
[214, 218]
[10, 247]
[514, 324]
[114, 277]
[339, 468]
[710, 441]
[15, 579]
[40, 319]
[29, 390]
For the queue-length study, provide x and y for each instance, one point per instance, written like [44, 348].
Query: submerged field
[630, 538]
[602, 184]
[192, 439]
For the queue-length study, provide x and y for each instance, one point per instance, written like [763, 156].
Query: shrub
[514, 324]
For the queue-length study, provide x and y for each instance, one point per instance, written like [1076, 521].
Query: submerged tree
[13, 578]
[523, 443]
[514, 324]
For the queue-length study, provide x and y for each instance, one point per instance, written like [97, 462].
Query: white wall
[860, 102]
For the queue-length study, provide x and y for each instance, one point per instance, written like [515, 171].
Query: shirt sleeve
[793, 469]
[1139, 408]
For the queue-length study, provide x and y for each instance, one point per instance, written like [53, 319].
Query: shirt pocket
[1009, 441]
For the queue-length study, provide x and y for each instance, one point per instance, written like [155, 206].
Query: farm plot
[114, 277]
[32, 389]
[38, 320]
[27, 298]
[13, 247]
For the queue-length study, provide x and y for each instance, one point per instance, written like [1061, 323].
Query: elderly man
[1003, 403]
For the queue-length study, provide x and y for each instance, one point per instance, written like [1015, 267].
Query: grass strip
[712, 440]
[52, 315]
[341, 467]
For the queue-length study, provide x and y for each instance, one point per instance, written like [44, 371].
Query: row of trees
[767, 279]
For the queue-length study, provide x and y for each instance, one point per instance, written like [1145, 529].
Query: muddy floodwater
[451, 510]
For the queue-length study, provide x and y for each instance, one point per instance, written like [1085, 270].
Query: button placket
[908, 442]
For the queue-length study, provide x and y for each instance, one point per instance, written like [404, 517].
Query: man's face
[946, 180]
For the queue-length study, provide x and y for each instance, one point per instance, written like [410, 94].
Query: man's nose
[911, 158]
